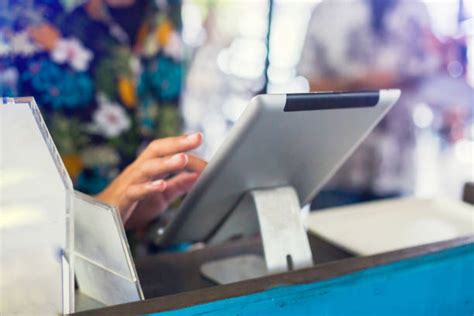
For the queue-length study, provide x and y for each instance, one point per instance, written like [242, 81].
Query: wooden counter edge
[317, 273]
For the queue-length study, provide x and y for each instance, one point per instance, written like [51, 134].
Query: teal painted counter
[436, 284]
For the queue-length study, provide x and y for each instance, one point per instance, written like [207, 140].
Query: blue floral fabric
[57, 86]
[105, 89]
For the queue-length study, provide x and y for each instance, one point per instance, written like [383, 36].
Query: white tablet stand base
[276, 212]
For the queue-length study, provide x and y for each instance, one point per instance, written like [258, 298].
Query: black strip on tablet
[330, 100]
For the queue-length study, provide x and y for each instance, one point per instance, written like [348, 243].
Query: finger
[159, 167]
[137, 192]
[172, 145]
[179, 185]
[196, 164]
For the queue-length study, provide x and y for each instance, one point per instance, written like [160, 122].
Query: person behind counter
[368, 45]
[107, 78]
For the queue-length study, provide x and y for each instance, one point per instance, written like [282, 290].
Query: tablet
[280, 140]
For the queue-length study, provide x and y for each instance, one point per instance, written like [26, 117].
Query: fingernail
[194, 137]
[179, 157]
[158, 184]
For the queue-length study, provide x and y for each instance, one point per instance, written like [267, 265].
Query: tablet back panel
[280, 140]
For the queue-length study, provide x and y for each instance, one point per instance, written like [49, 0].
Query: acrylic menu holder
[104, 267]
[35, 216]
[39, 211]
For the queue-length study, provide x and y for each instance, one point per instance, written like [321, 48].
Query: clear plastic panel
[35, 216]
[104, 267]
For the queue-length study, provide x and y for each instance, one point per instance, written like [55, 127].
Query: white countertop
[382, 226]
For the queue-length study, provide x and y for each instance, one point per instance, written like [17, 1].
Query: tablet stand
[285, 243]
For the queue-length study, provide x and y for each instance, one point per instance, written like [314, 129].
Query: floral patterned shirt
[103, 96]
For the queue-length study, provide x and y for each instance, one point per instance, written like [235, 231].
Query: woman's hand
[141, 192]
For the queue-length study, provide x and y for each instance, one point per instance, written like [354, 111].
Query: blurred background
[111, 75]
